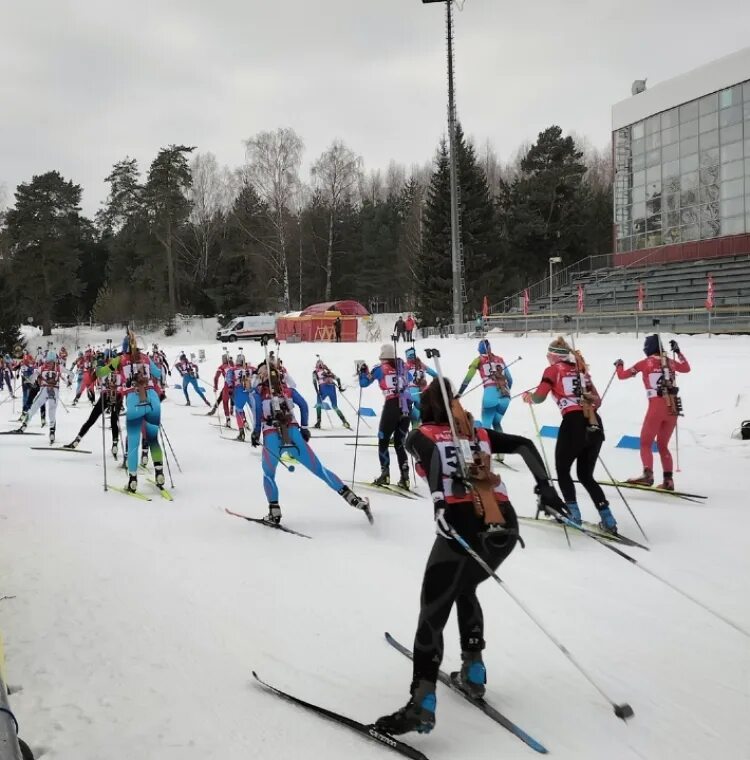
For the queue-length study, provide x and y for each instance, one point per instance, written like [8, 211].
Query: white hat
[387, 351]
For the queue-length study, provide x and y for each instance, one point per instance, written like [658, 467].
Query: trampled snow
[134, 626]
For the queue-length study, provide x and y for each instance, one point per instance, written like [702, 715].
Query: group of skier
[452, 452]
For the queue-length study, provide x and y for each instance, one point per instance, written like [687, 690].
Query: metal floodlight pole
[456, 263]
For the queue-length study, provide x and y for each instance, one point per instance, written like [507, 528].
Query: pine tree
[10, 316]
[45, 231]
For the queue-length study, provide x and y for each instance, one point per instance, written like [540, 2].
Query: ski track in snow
[135, 625]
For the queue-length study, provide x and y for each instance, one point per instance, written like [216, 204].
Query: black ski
[482, 704]
[368, 731]
[393, 490]
[260, 521]
[60, 448]
[18, 432]
[586, 527]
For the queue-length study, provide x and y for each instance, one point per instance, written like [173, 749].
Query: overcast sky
[85, 82]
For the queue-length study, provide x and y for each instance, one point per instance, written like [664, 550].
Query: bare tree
[370, 186]
[211, 195]
[491, 166]
[336, 173]
[273, 162]
[395, 179]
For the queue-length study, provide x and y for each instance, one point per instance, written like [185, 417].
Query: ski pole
[166, 460]
[624, 500]
[356, 438]
[528, 390]
[166, 438]
[607, 545]
[546, 464]
[104, 442]
[677, 433]
[608, 384]
[289, 467]
[624, 710]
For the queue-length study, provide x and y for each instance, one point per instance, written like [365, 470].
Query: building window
[708, 122]
[670, 152]
[670, 119]
[688, 145]
[638, 131]
[639, 162]
[709, 193]
[732, 189]
[672, 235]
[653, 124]
[732, 170]
[731, 152]
[731, 96]
[731, 134]
[690, 232]
[670, 170]
[688, 112]
[732, 207]
[709, 139]
[710, 157]
[639, 146]
[709, 104]
[709, 175]
[730, 116]
[639, 178]
[689, 130]
[733, 226]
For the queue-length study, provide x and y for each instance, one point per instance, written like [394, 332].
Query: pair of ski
[389, 489]
[696, 498]
[163, 492]
[369, 731]
[585, 527]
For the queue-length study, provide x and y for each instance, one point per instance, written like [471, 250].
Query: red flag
[485, 308]
[641, 296]
[526, 301]
[710, 293]
[580, 299]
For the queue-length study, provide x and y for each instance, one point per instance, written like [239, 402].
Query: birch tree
[273, 162]
[336, 173]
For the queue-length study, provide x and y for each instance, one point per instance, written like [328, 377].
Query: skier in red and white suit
[660, 422]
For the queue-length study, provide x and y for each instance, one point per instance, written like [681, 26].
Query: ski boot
[346, 425]
[51, 435]
[74, 443]
[187, 403]
[500, 458]
[240, 435]
[75, 401]
[159, 474]
[228, 423]
[668, 483]
[473, 675]
[44, 422]
[274, 514]
[647, 479]
[403, 481]
[114, 449]
[575, 512]
[317, 425]
[384, 479]
[132, 483]
[353, 500]
[417, 715]
[144, 458]
[608, 523]
[213, 409]
[206, 401]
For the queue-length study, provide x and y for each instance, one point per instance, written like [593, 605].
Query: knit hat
[483, 347]
[387, 351]
[411, 353]
[651, 345]
[557, 352]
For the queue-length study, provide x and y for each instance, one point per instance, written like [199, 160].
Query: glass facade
[684, 174]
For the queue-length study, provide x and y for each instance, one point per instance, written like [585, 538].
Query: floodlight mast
[456, 257]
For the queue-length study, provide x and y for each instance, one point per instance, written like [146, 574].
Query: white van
[248, 328]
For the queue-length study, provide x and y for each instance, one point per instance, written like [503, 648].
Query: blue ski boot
[473, 675]
[575, 513]
[608, 522]
[417, 715]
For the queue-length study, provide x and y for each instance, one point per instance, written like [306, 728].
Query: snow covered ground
[134, 626]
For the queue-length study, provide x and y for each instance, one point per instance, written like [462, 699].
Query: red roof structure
[346, 308]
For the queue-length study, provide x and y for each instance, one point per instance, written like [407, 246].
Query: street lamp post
[552, 260]
[456, 263]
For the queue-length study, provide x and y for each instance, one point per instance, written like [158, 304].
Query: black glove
[338, 383]
[619, 363]
[363, 370]
[255, 438]
[673, 345]
[305, 433]
[548, 499]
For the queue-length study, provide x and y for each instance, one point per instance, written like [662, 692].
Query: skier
[394, 420]
[325, 384]
[160, 360]
[48, 377]
[581, 434]
[452, 576]
[189, 372]
[242, 378]
[409, 325]
[417, 372]
[275, 399]
[497, 382]
[6, 364]
[86, 376]
[224, 371]
[109, 401]
[139, 379]
[29, 385]
[658, 372]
